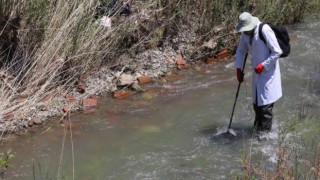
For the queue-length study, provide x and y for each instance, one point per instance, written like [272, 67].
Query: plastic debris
[105, 21]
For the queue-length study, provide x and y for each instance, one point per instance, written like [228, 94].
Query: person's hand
[239, 75]
[259, 68]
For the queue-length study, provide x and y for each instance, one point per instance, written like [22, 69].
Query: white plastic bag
[105, 21]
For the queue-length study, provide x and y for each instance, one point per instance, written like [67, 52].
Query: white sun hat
[246, 22]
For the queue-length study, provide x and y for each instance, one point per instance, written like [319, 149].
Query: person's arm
[241, 51]
[273, 45]
[240, 55]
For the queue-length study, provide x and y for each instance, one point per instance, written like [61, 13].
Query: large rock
[125, 79]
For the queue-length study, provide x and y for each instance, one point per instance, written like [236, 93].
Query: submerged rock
[149, 96]
[150, 129]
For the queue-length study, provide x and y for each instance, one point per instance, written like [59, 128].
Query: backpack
[282, 37]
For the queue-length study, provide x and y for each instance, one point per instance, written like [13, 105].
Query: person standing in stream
[266, 76]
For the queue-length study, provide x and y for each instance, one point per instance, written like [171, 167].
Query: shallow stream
[170, 132]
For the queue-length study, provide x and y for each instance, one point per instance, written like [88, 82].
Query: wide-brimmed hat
[246, 22]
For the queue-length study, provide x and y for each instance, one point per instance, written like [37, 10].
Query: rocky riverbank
[118, 81]
[164, 50]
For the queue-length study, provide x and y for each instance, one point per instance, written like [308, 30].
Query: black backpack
[282, 37]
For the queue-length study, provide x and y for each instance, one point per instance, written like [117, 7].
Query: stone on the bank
[211, 60]
[224, 54]
[211, 44]
[135, 86]
[120, 94]
[125, 79]
[66, 108]
[181, 63]
[144, 79]
[89, 103]
[37, 121]
[81, 88]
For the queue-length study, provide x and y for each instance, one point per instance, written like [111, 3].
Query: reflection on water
[174, 130]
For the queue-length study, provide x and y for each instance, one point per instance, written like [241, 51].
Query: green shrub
[5, 158]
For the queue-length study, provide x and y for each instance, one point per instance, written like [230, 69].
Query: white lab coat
[266, 87]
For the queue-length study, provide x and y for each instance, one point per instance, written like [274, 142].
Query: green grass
[5, 159]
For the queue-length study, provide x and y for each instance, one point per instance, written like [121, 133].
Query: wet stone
[120, 94]
[149, 96]
[144, 79]
[135, 86]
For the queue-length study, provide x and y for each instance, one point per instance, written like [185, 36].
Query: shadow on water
[221, 135]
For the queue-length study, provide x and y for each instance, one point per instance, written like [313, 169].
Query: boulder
[125, 79]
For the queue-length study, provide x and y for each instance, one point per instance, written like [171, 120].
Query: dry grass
[286, 167]
[297, 154]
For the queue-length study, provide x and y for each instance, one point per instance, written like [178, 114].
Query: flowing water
[173, 130]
